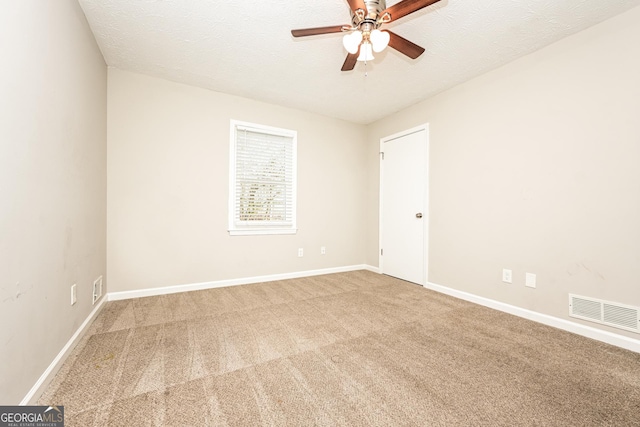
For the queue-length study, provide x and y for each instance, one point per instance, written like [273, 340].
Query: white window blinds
[262, 191]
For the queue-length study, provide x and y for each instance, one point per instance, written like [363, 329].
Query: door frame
[425, 208]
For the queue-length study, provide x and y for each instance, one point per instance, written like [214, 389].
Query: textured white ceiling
[245, 48]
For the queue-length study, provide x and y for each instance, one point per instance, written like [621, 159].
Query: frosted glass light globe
[379, 40]
[366, 53]
[352, 41]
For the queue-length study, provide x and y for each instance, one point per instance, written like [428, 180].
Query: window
[262, 189]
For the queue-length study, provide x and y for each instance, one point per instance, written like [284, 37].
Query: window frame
[260, 227]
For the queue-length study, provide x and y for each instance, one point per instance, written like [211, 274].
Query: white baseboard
[566, 325]
[53, 368]
[587, 331]
[115, 296]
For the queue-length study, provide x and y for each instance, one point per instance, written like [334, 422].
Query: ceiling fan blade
[403, 45]
[350, 62]
[406, 7]
[357, 4]
[315, 31]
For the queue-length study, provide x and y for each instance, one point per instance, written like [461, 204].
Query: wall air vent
[605, 312]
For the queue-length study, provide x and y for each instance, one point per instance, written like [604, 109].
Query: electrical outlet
[73, 294]
[300, 252]
[506, 275]
[530, 280]
[323, 250]
[97, 289]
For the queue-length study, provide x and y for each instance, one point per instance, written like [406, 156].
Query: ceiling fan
[364, 35]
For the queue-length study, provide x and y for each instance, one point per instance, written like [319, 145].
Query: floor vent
[606, 312]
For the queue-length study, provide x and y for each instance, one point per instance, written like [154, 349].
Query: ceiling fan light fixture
[366, 52]
[362, 36]
[352, 41]
[379, 40]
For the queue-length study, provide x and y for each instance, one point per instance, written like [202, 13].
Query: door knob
[419, 215]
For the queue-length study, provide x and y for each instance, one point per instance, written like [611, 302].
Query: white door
[403, 205]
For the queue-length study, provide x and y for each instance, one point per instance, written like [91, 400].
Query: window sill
[262, 231]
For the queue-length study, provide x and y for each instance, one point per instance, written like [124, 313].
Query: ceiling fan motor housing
[370, 21]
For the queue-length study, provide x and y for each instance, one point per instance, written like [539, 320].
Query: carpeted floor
[352, 349]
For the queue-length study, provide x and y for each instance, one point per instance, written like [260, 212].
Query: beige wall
[168, 166]
[52, 183]
[534, 167]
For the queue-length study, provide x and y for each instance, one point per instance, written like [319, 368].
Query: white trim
[566, 325]
[115, 296]
[425, 209]
[261, 231]
[57, 362]
[251, 127]
[46, 377]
